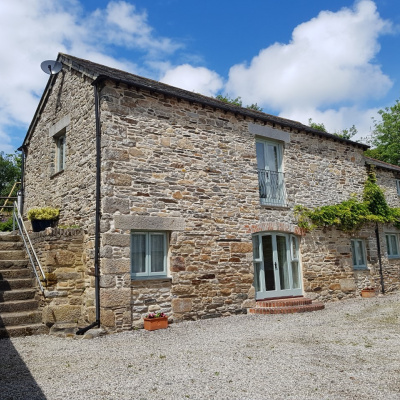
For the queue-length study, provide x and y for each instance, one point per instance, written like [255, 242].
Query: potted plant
[43, 217]
[368, 292]
[153, 321]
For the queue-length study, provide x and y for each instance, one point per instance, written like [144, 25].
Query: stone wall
[60, 252]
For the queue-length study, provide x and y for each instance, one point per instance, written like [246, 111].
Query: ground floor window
[148, 254]
[359, 254]
[392, 245]
[276, 265]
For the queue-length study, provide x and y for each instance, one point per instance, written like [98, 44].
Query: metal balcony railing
[272, 187]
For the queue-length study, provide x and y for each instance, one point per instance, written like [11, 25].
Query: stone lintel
[59, 126]
[126, 222]
[269, 132]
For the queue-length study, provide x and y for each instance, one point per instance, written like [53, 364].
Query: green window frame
[148, 254]
[359, 254]
[398, 186]
[392, 245]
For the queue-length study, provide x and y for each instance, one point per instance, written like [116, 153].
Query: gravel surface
[350, 350]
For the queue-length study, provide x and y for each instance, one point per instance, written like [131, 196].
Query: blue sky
[335, 61]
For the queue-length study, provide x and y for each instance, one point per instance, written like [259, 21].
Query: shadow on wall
[16, 381]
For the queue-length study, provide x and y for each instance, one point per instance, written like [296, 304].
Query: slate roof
[382, 164]
[100, 72]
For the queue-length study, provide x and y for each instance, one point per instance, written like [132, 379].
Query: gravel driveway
[350, 350]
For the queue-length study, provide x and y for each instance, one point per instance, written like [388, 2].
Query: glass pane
[272, 157]
[260, 155]
[295, 248]
[256, 247]
[395, 250]
[358, 254]
[282, 260]
[138, 253]
[61, 152]
[295, 275]
[389, 249]
[257, 280]
[268, 263]
[157, 253]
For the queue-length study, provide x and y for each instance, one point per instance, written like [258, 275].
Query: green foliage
[347, 133]
[43, 213]
[6, 226]
[318, 127]
[10, 171]
[237, 102]
[386, 136]
[350, 215]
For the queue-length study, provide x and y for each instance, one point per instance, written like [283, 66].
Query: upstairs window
[359, 254]
[392, 245]
[398, 186]
[270, 175]
[148, 254]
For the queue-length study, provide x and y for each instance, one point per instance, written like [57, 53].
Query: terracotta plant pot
[368, 293]
[152, 324]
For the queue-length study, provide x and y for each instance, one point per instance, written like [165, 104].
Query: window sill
[361, 269]
[275, 207]
[151, 278]
[56, 174]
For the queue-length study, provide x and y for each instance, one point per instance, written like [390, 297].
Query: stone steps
[285, 306]
[19, 315]
[23, 330]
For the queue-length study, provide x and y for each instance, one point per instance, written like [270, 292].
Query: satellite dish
[51, 67]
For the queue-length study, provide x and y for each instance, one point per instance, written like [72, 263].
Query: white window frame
[61, 144]
[357, 263]
[390, 251]
[148, 273]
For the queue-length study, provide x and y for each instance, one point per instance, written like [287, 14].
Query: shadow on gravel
[16, 381]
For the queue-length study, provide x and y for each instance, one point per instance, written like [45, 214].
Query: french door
[276, 265]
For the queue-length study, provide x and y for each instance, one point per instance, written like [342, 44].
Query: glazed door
[276, 266]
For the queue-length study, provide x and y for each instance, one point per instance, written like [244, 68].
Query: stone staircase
[285, 306]
[19, 314]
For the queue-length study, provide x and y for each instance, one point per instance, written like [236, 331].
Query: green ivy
[350, 215]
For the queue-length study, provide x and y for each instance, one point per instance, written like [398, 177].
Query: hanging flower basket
[368, 292]
[155, 321]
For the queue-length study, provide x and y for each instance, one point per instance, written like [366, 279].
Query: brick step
[20, 318]
[23, 330]
[8, 237]
[18, 305]
[12, 284]
[17, 294]
[14, 273]
[291, 301]
[12, 255]
[11, 246]
[13, 264]
[287, 309]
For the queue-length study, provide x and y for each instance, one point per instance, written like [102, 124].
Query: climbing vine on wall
[350, 215]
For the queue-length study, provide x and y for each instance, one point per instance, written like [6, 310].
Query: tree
[344, 133]
[10, 171]
[237, 102]
[386, 136]
[315, 125]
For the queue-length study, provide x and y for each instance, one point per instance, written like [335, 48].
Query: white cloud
[37, 30]
[196, 79]
[329, 61]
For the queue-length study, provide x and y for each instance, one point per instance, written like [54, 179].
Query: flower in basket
[155, 315]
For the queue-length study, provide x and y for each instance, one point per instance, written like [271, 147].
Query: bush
[43, 213]
[6, 226]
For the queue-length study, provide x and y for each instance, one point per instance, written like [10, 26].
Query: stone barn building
[173, 201]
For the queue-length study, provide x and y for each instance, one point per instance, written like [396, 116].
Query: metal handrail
[36, 266]
[272, 187]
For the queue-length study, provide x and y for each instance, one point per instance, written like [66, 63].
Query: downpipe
[81, 331]
[378, 246]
